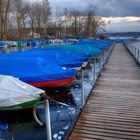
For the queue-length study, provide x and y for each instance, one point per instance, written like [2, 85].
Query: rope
[49, 98]
[42, 102]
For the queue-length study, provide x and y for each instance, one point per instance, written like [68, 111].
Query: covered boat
[79, 48]
[15, 94]
[4, 47]
[36, 71]
[59, 51]
[52, 57]
[3, 44]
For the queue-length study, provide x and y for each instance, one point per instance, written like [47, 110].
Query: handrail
[134, 51]
[102, 59]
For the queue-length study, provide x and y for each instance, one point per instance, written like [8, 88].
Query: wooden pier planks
[113, 109]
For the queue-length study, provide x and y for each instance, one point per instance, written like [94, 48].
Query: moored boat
[15, 94]
[36, 71]
[50, 58]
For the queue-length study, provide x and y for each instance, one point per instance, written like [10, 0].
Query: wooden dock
[113, 109]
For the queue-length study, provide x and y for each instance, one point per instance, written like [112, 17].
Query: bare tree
[88, 24]
[93, 23]
[38, 15]
[32, 17]
[4, 16]
[1, 17]
[23, 16]
[59, 25]
[46, 12]
[97, 25]
[58, 21]
[75, 15]
[21, 11]
[67, 19]
[77, 22]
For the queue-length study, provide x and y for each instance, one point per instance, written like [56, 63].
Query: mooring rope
[44, 96]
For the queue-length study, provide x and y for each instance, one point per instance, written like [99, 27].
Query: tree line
[20, 19]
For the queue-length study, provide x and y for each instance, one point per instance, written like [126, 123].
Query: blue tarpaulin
[2, 44]
[33, 69]
[60, 57]
[52, 62]
[3, 129]
[50, 58]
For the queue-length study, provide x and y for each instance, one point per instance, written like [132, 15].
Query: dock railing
[135, 51]
[101, 59]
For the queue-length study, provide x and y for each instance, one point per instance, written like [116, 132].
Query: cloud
[122, 24]
[103, 7]
[123, 14]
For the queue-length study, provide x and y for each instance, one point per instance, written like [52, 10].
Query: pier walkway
[113, 109]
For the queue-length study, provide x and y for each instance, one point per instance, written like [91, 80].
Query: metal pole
[138, 57]
[94, 70]
[103, 56]
[100, 64]
[133, 51]
[135, 54]
[130, 49]
[106, 55]
[101, 60]
[48, 120]
[82, 88]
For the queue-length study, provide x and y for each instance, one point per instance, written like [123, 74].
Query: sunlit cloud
[122, 24]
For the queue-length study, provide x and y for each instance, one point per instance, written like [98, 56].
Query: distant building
[34, 35]
[25, 33]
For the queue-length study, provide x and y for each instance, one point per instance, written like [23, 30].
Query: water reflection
[9, 49]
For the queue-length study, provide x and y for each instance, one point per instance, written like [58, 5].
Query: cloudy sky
[103, 7]
[123, 14]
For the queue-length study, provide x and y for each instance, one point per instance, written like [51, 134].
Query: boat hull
[25, 105]
[54, 83]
